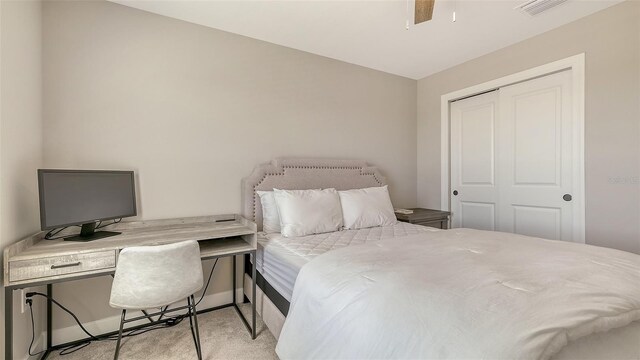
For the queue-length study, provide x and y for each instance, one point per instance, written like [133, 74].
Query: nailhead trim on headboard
[255, 195]
[281, 166]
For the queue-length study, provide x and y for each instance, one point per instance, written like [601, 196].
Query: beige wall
[611, 41]
[193, 109]
[20, 139]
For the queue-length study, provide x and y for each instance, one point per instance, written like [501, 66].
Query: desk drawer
[21, 270]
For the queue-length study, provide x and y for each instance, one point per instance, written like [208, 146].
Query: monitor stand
[88, 233]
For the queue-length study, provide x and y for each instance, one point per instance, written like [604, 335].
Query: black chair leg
[192, 310]
[193, 333]
[115, 357]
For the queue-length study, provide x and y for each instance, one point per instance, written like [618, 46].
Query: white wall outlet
[23, 300]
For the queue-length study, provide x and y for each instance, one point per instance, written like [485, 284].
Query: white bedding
[279, 259]
[459, 294]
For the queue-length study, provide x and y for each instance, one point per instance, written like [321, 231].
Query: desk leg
[8, 323]
[233, 278]
[250, 328]
[253, 298]
[49, 316]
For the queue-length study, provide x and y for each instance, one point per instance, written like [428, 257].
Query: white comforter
[458, 294]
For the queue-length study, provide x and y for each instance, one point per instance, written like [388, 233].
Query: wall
[611, 41]
[20, 140]
[193, 109]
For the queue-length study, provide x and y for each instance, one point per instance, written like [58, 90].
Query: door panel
[473, 170]
[537, 127]
[535, 157]
[537, 221]
[477, 141]
[479, 216]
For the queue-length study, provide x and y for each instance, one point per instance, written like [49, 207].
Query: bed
[280, 259]
[484, 300]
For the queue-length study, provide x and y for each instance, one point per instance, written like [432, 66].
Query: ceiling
[372, 33]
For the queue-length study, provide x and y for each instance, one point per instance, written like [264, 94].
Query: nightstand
[427, 217]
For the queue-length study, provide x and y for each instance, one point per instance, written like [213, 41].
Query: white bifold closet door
[512, 159]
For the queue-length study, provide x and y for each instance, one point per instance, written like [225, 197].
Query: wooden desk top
[234, 233]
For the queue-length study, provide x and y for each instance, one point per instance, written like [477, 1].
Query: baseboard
[38, 345]
[104, 325]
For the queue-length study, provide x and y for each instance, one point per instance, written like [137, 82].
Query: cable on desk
[53, 232]
[99, 226]
[208, 281]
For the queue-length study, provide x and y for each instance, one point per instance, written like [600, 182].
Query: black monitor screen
[71, 197]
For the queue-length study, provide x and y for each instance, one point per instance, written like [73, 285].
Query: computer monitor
[84, 197]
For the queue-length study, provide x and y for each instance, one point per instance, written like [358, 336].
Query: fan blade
[424, 11]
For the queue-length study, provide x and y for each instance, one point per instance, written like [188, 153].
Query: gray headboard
[301, 174]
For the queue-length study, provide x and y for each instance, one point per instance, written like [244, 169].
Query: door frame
[576, 64]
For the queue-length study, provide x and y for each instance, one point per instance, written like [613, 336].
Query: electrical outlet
[23, 301]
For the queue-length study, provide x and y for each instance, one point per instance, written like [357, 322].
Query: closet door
[536, 157]
[474, 185]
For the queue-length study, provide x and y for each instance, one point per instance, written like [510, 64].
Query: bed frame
[299, 174]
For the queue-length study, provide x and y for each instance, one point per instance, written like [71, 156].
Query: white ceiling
[372, 33]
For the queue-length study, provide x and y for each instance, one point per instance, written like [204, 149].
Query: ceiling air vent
[535, 7]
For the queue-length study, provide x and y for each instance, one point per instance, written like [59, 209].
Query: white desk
[35, 261]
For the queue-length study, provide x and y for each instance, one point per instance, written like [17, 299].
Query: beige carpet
[222, 334]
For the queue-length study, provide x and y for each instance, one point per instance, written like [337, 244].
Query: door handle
[567, 197]
[455, 192]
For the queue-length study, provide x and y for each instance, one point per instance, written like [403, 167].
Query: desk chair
[156, 276]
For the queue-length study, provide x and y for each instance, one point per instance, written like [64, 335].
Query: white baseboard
[38, 345]
[101, 326]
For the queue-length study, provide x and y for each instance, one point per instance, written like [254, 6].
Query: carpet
[222, 334]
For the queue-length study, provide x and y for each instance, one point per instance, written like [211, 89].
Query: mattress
[279, 259]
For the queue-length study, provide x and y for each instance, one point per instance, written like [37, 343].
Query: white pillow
[270, 216]
[364, 208]
[305, 212]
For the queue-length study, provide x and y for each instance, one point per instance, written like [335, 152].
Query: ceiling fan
[424, 11]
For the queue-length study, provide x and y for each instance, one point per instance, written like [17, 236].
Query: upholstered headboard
[301, 174]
